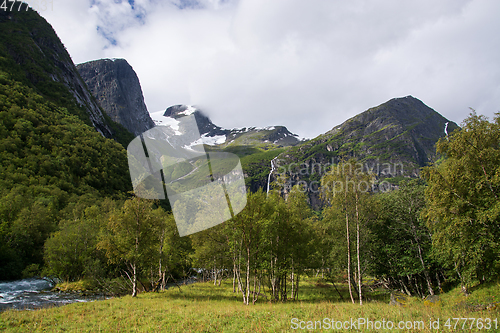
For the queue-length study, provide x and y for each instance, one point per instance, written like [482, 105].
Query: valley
[393, 213]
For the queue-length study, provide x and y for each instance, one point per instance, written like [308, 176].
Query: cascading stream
[36, 293]
[273, 168]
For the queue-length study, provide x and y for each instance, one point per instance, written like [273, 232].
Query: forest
[66, 212]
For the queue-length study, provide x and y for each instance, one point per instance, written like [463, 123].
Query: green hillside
[49, 160]
[51, 156]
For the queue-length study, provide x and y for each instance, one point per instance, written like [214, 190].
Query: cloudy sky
[308, 65]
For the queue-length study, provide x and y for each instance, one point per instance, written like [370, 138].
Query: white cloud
[75, 26]
[307, 65]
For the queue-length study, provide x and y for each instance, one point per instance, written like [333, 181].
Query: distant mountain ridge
[393, 140]
[406, 121]
[267, 138]
[115, 85]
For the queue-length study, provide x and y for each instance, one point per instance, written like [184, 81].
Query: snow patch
[247, 129]
[243, 129]
[190, 110]
[207, 140]
[160, 120]
[213, 140]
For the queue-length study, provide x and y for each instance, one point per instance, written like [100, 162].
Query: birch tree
[345, 188]
[130, 235]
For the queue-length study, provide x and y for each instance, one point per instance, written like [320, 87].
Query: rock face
[393, 140]
[400, 130]
[36, 55]
[115, 85]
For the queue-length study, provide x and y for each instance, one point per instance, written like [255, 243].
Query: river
[29, 294]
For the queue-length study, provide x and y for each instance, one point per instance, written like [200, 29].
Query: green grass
[203, 307]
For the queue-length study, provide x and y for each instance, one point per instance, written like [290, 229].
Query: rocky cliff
[115, 85]
[34, 55]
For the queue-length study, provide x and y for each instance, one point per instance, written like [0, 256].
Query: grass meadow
[203, 307]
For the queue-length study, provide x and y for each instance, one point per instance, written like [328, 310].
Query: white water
[34, 294]
[446, 129]
[270, 173]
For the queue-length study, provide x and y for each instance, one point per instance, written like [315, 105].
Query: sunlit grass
[203, 307]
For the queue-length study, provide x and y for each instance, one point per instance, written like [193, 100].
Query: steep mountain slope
[401, 130]
[49, 160]
[33, 54]
[115, 85]
[52, 159]
[393, 140]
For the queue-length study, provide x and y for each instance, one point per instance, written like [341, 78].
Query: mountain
[33, 54]
[115, 85]
[256, 147]
[271, 137]
[393, 140]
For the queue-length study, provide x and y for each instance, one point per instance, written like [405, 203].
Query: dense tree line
[50, 161]
[401, 243]
[462, 201]
[135, 239]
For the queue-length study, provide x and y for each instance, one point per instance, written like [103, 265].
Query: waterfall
[446, 129]
[270, 173]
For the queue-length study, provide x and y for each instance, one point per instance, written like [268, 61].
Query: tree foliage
[346, 189]
[463, 206]
[130, 236]
[265, 245]
[400, 242]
